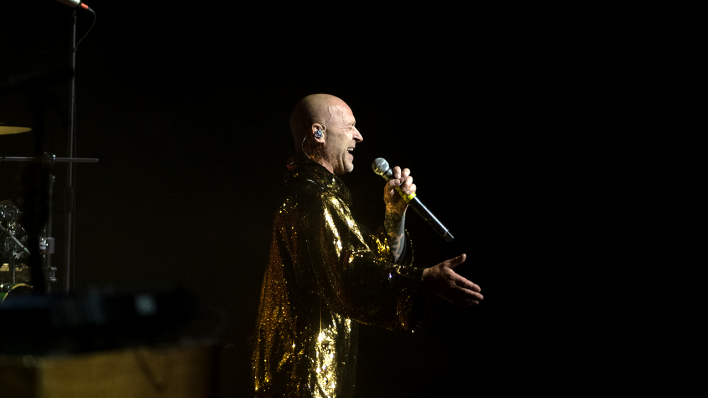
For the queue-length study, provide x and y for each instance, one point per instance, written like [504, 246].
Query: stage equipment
[14, 277]
[22, 274]
[38, 182]
[6, 130]
[69, 189]
[100, 318]
[10, 291]
[152, 341]
[75, 4]
[12, 235]
[175, 371]
[14, 245]
[46, 241]
[381, 167]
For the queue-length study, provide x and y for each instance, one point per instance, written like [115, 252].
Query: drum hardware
[46, 247]
[23, 274]
[14, 277]
[46, 242]
[9, 291]
[9, 212]
[38, 190]
[48, 159]
[6, 130]
[14, 243]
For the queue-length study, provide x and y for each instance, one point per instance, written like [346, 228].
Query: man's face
[341, 136]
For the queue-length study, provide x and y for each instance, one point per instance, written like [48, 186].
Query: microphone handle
[430, 219]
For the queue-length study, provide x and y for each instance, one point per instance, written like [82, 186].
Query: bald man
[327, 272]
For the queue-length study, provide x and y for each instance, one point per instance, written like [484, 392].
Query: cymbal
[13, 130]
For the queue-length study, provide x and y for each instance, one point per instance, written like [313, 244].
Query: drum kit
[20, 248]
[15, 274]
[30, 254]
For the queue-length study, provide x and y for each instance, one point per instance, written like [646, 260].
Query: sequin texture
[325, 274]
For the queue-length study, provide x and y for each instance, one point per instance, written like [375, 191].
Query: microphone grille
[380, 166]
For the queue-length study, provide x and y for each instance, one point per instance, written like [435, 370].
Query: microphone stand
[69, 189]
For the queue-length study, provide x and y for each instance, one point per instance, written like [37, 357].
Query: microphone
[380, 167]
[74, 4]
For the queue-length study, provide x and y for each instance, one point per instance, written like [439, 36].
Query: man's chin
[346, 169]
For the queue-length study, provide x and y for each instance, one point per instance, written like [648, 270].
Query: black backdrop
[187, 111]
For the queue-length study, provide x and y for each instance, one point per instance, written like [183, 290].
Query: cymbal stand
[46, 240]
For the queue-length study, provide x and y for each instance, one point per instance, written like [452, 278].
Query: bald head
[333, 148]
[313, 109]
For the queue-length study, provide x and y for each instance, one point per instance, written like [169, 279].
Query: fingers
[445, 283]
[454, 262]
[463, 292]
[408, 187]
[466, 297]
[392, 183]
[460, 280]
[399, 174]
[462, 296]
[403, 179]
[467, 284]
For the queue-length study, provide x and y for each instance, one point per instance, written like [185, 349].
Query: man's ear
[318, 130]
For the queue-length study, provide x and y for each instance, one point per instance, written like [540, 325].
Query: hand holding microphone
[381, 167]
[398, 191]
[440, 279]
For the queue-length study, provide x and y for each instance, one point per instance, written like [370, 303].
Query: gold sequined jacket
[326, 272]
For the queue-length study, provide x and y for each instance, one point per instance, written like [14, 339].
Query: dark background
[187, 110]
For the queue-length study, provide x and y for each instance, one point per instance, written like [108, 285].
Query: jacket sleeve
[353, 271]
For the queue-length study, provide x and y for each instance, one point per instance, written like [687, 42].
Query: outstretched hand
[445, 283]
